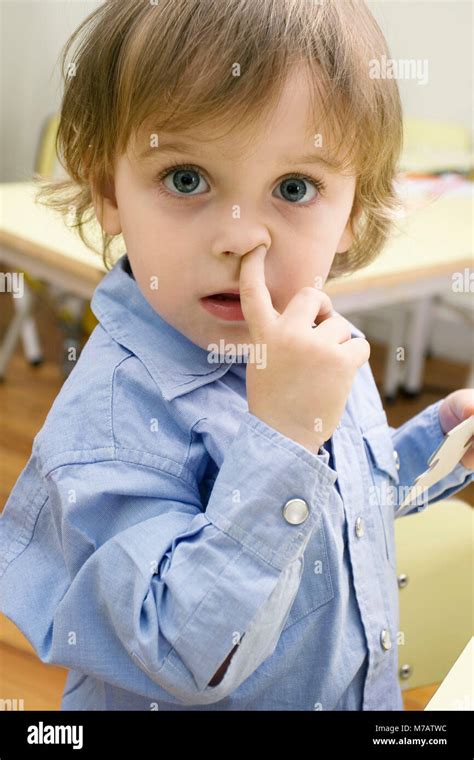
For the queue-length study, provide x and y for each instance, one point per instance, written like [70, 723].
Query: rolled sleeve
[273, 470]
[156, 606]
[262, 470]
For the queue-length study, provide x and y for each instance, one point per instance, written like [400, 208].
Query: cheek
[165, 276]
[298, 266]
[313, 238]
[289, 272]
[156, 246]
[144, 223]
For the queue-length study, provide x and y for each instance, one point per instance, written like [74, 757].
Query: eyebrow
[182, 147]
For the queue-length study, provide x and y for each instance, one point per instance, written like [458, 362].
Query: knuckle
[248, 290]
[343, 322]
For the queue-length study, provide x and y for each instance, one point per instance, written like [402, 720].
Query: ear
[106, 208]
[347, 237]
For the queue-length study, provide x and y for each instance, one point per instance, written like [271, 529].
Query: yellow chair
[435, 578]
[46, 161]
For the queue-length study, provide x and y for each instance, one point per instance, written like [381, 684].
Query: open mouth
[224, 306]
[225, 297]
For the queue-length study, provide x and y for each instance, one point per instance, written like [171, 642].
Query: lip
[231, 291]
[230, 311]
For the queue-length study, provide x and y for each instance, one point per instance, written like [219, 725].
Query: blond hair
[170, 61]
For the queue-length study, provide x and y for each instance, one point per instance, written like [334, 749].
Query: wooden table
[36, 240]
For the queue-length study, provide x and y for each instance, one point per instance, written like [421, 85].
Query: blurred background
[414, 303]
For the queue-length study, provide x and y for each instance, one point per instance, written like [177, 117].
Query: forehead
[290, 127]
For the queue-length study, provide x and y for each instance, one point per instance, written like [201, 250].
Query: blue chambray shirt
[147, 536]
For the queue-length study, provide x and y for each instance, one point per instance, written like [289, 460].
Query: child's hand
[302, 390]
[456, 408]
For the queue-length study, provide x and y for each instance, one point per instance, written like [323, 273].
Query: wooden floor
[24, 678]
[25, 398]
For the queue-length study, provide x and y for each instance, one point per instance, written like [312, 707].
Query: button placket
[384, 464]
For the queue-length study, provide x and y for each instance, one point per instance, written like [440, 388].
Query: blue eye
[295, 187]
[185, 179]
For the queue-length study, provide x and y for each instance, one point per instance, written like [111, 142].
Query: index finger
[255, 298]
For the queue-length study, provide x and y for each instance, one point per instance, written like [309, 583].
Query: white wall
[33, 33]
[440, 31]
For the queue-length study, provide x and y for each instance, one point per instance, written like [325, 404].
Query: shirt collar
[176, 364]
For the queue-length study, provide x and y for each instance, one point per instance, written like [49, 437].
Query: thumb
[456, 408]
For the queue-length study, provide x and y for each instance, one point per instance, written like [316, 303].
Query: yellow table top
[434, 237]
[41, 234]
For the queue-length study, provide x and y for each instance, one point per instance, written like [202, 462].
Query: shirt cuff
[262, 471]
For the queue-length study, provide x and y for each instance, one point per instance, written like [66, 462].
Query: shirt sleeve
[129, 580]
[415, 441]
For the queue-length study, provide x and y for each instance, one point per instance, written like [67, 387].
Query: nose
[236, 243]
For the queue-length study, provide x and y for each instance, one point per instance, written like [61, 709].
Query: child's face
[192, 236]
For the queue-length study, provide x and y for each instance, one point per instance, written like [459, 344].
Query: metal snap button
[295, 511]
[359, 527]
[385, 639]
